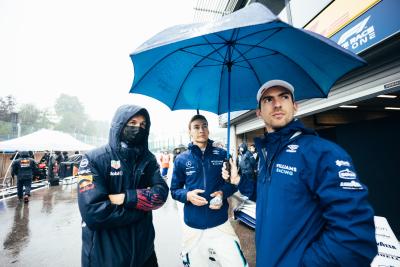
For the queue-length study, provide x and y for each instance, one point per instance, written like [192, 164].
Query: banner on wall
[374, 26]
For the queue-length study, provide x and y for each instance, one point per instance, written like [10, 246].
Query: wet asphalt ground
[47, 230]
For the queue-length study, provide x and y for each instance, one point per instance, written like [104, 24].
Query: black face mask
[133, 135]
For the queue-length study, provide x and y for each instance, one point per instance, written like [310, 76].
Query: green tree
[71, 113]
[7, 106]
[32, 118]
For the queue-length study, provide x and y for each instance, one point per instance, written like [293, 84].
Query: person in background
[23, 168]
[119, 185]
[253, 151]
[248, 167]
[54, 165]
[177, 152]
[164, 160]
[45, 158]
[197, 182]
[65, 156]
[312, 209]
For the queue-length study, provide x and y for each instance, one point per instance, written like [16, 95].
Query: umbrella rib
[189, 52]
[294, 62]
[194, 66]
[256, 45]
[167, 55]
[246, 59]
[215, 49]
[250, 66]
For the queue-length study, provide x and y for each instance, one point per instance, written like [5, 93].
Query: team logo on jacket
[347, 174]
[25, 163]
[285, 169]
[292, 148]
[353, 185]
[85, 183]
[188, 163]
[116, 164]
[84, 163]
[341, 163]
[217, 162]
[215, 152]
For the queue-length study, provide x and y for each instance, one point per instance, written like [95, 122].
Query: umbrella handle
[227, 168]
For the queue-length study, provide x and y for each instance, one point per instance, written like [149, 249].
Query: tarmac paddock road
[47, 230]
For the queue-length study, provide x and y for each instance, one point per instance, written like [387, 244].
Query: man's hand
[195, 199]
[216, 202]
[117, 199]
[234, 177]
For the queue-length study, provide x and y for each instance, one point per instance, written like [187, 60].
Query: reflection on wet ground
[43, 232]
[47, 230]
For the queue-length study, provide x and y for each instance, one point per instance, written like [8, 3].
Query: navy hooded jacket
[119, 235]
[312, 209]
[24, 167]
[195, 170]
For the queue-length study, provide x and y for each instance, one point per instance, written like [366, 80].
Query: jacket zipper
[204, 178]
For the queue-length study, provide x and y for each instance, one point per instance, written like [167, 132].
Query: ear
[295, 107]
[258, 112]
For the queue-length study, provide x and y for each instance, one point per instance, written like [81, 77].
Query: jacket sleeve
[96, 209]
[14, 169]
[153, 196]
[348, 238]
[246, 185]
[178, 192]
[228, 189]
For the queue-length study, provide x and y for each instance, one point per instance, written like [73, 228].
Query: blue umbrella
[220, 65]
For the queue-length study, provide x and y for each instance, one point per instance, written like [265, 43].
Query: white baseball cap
[272, 83]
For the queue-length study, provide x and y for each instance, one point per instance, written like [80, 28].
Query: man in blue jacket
[312, 209]
[119, 185]
[197, 182]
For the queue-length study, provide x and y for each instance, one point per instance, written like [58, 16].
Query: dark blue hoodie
[312, 209]
[119, 235]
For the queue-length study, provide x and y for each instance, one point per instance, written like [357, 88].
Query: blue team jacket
[193, 170]
[312, 209]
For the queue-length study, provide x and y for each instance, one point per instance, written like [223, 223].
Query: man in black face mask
[119, 185]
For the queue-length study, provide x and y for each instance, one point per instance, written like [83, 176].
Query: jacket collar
[197, 151]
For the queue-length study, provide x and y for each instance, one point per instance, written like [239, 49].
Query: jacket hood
[24, 154]
[121, 117]
[244, 147]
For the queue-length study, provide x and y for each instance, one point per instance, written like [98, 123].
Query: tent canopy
[44, 139]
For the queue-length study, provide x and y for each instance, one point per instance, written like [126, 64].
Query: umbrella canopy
[219, 66]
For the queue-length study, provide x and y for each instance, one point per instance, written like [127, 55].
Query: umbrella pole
[229, 114]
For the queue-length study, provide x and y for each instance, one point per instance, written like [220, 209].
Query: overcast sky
[81, 48]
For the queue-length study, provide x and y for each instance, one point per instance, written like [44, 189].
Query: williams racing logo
[357, 36]
[286, 169]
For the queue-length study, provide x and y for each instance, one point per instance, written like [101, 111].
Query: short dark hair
[197, 117]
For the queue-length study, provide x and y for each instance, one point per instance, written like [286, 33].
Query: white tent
[44, 140]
